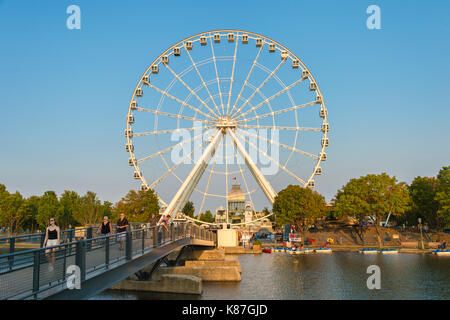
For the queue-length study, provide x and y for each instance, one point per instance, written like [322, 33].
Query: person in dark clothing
[105, 229]
[122, 225]
[52, 238]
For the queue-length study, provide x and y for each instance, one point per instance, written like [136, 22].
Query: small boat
[303, 251]
[267, 250]
[441, 252]
[323, 250]
[368, 251]
[388, 251]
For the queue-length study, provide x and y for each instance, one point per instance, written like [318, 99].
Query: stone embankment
[196, 266]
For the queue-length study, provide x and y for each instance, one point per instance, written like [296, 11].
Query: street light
[421, 237]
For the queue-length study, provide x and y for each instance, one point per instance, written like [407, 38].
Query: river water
[340, 275]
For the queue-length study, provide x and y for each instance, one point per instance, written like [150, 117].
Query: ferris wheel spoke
[274, 113]
[151, 133]
[243, 177]
[281, 144]
[178, 116]
[273, 160]
[232, 76]
[203, 82]
[171, 169]
[179, 100]
[226, 174]
[246, 79]
[270, 98]
[280, 128]
[169, 149]
[191, 181]
[259, 88]
[209, 181]
[259, 177]
[190, 90]
[217, 75]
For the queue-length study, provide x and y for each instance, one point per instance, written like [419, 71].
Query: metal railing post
[12, 243]
[128, 245]
[107, 251]
[155, 237]
[71, 237]
[80, 258]
[42, 239]
[65, 263]
[172, 232]
[36, 271]
[143, 240]
[89, 236]
[71, 231]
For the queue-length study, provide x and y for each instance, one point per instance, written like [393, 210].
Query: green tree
[32, 205]
[189, 209]
[207, 217]
[423, 202]
[13, 213]
[89, 211]
[266, 211]
[443, 195]
[70, 201]
[138, 206]
[48, 207]
[372, 195]
[298, 206]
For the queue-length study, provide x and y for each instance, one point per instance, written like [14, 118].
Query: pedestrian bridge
[98, 262]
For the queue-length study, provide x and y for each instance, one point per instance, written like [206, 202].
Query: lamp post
[421, 237]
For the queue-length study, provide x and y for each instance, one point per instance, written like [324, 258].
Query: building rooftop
[236, 193]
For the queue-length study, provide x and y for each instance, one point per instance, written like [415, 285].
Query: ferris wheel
[220, 107]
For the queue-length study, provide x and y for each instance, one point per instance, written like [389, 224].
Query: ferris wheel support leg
[259, 177]
[193, 178]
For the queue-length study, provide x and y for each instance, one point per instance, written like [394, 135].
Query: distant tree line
[372, 197]
[71, 209]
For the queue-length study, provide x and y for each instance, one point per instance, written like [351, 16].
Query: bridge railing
[28, 274]
[24, 241]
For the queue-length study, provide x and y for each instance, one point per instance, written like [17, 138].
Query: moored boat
[267, 250]
[323, 250]
[368, 251]
[388, 251]
[442, 252]
[305, 250]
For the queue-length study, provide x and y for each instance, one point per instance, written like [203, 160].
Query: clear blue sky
[64, 93]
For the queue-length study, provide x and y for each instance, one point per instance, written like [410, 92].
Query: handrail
[67, 233]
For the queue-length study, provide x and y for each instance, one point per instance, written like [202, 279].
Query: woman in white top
[52, 238]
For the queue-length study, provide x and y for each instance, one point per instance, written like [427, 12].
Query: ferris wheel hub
[225, 122]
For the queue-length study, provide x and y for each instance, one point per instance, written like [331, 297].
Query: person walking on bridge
[122, 225]
[52, 238]
[105, 229]
[161, 226]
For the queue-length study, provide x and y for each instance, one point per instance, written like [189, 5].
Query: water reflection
[340, 275]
